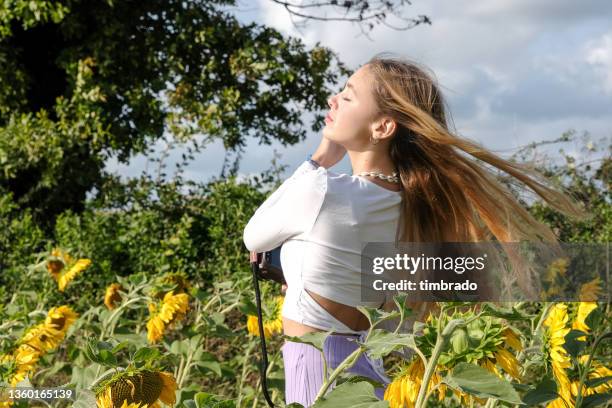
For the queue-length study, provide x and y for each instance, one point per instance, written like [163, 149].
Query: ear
[384, 128]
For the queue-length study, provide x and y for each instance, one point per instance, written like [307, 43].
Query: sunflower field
[136, 292]
[145, 299]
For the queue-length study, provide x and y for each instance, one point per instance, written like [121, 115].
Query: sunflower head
[556, 324]
[272, 320]
[73, 271]
[57, 260]
[404, 389]
[136, 388]
[583, 311]
[177, 282]
[173, 308]
[60, 318]
[590, 291]
[112, 296]
[558, 267]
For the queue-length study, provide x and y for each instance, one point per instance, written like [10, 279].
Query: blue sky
[513, 71]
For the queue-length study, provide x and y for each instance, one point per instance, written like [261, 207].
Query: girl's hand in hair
[328, 153]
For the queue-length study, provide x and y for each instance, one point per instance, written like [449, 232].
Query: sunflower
[63, 268]
[584, 309]
[596, 370]
[508, 362]
[554, 275]
[134, 405]
[272, 326]
[42, 338]
[57, 261]
[49, 334]
[556, 321]
[39, 340]
[19, 363]
[66, 277]
[486, 342]
[404, 389]
[590, 291]
[512, 339]
[558, 267]
[173, 308]
[178, 282]
[61, 318]
[112, 295]
[136, 389]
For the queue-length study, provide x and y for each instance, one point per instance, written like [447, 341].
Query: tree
[587, 180]
[366, 13]
[84, 80]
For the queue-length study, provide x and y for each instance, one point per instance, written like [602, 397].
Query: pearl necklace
[392, 178]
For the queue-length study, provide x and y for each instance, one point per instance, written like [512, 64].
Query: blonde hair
[447, 195]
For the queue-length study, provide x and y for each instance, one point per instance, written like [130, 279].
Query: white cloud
[513, 71]
[599, 55]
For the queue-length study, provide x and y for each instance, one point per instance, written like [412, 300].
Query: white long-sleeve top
[323, 220]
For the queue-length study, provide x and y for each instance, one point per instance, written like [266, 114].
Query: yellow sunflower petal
[112, 296]
[66, 277]
[168, 393]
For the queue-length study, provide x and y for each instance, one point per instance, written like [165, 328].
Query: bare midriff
[350, 316]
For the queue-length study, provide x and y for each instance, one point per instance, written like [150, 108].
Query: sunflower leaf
[545, 391]
[572, 344]
[478, 381]
[350, 394]
[595, 400]
[376, 316]
[144, 354]
[315, 339]
[180, 347]
[490, 309]
[595, 382]
[381, 342]
[594, 319]
[247, 307]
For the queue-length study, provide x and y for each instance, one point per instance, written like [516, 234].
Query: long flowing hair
[450, 192]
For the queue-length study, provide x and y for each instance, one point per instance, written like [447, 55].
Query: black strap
[263, 367]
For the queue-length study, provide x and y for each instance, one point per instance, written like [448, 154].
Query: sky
[512, 71]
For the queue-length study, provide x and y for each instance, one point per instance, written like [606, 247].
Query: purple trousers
[304, 367]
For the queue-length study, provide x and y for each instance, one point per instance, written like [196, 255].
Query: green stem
[230, 307]
[244, 372]
[435, 355]
[588, 365]
[435, 387]
[345, 365]
[111, 324]
[534, 332]
[540, 321]
[210, 302]
[187, 366]
[268, 371]
[181, 369]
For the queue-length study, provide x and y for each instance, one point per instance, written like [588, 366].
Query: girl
[412, 182]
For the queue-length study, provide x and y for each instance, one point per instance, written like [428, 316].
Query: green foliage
[350, 394]
[20, 240]
[30, 13]
[587, 181]
[477, 381]
[91, 80]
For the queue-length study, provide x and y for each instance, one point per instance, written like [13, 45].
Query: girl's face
[352, 112]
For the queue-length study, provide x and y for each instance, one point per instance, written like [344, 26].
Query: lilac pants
[304, 367]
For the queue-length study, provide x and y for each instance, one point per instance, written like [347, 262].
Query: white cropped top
[323, 220]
